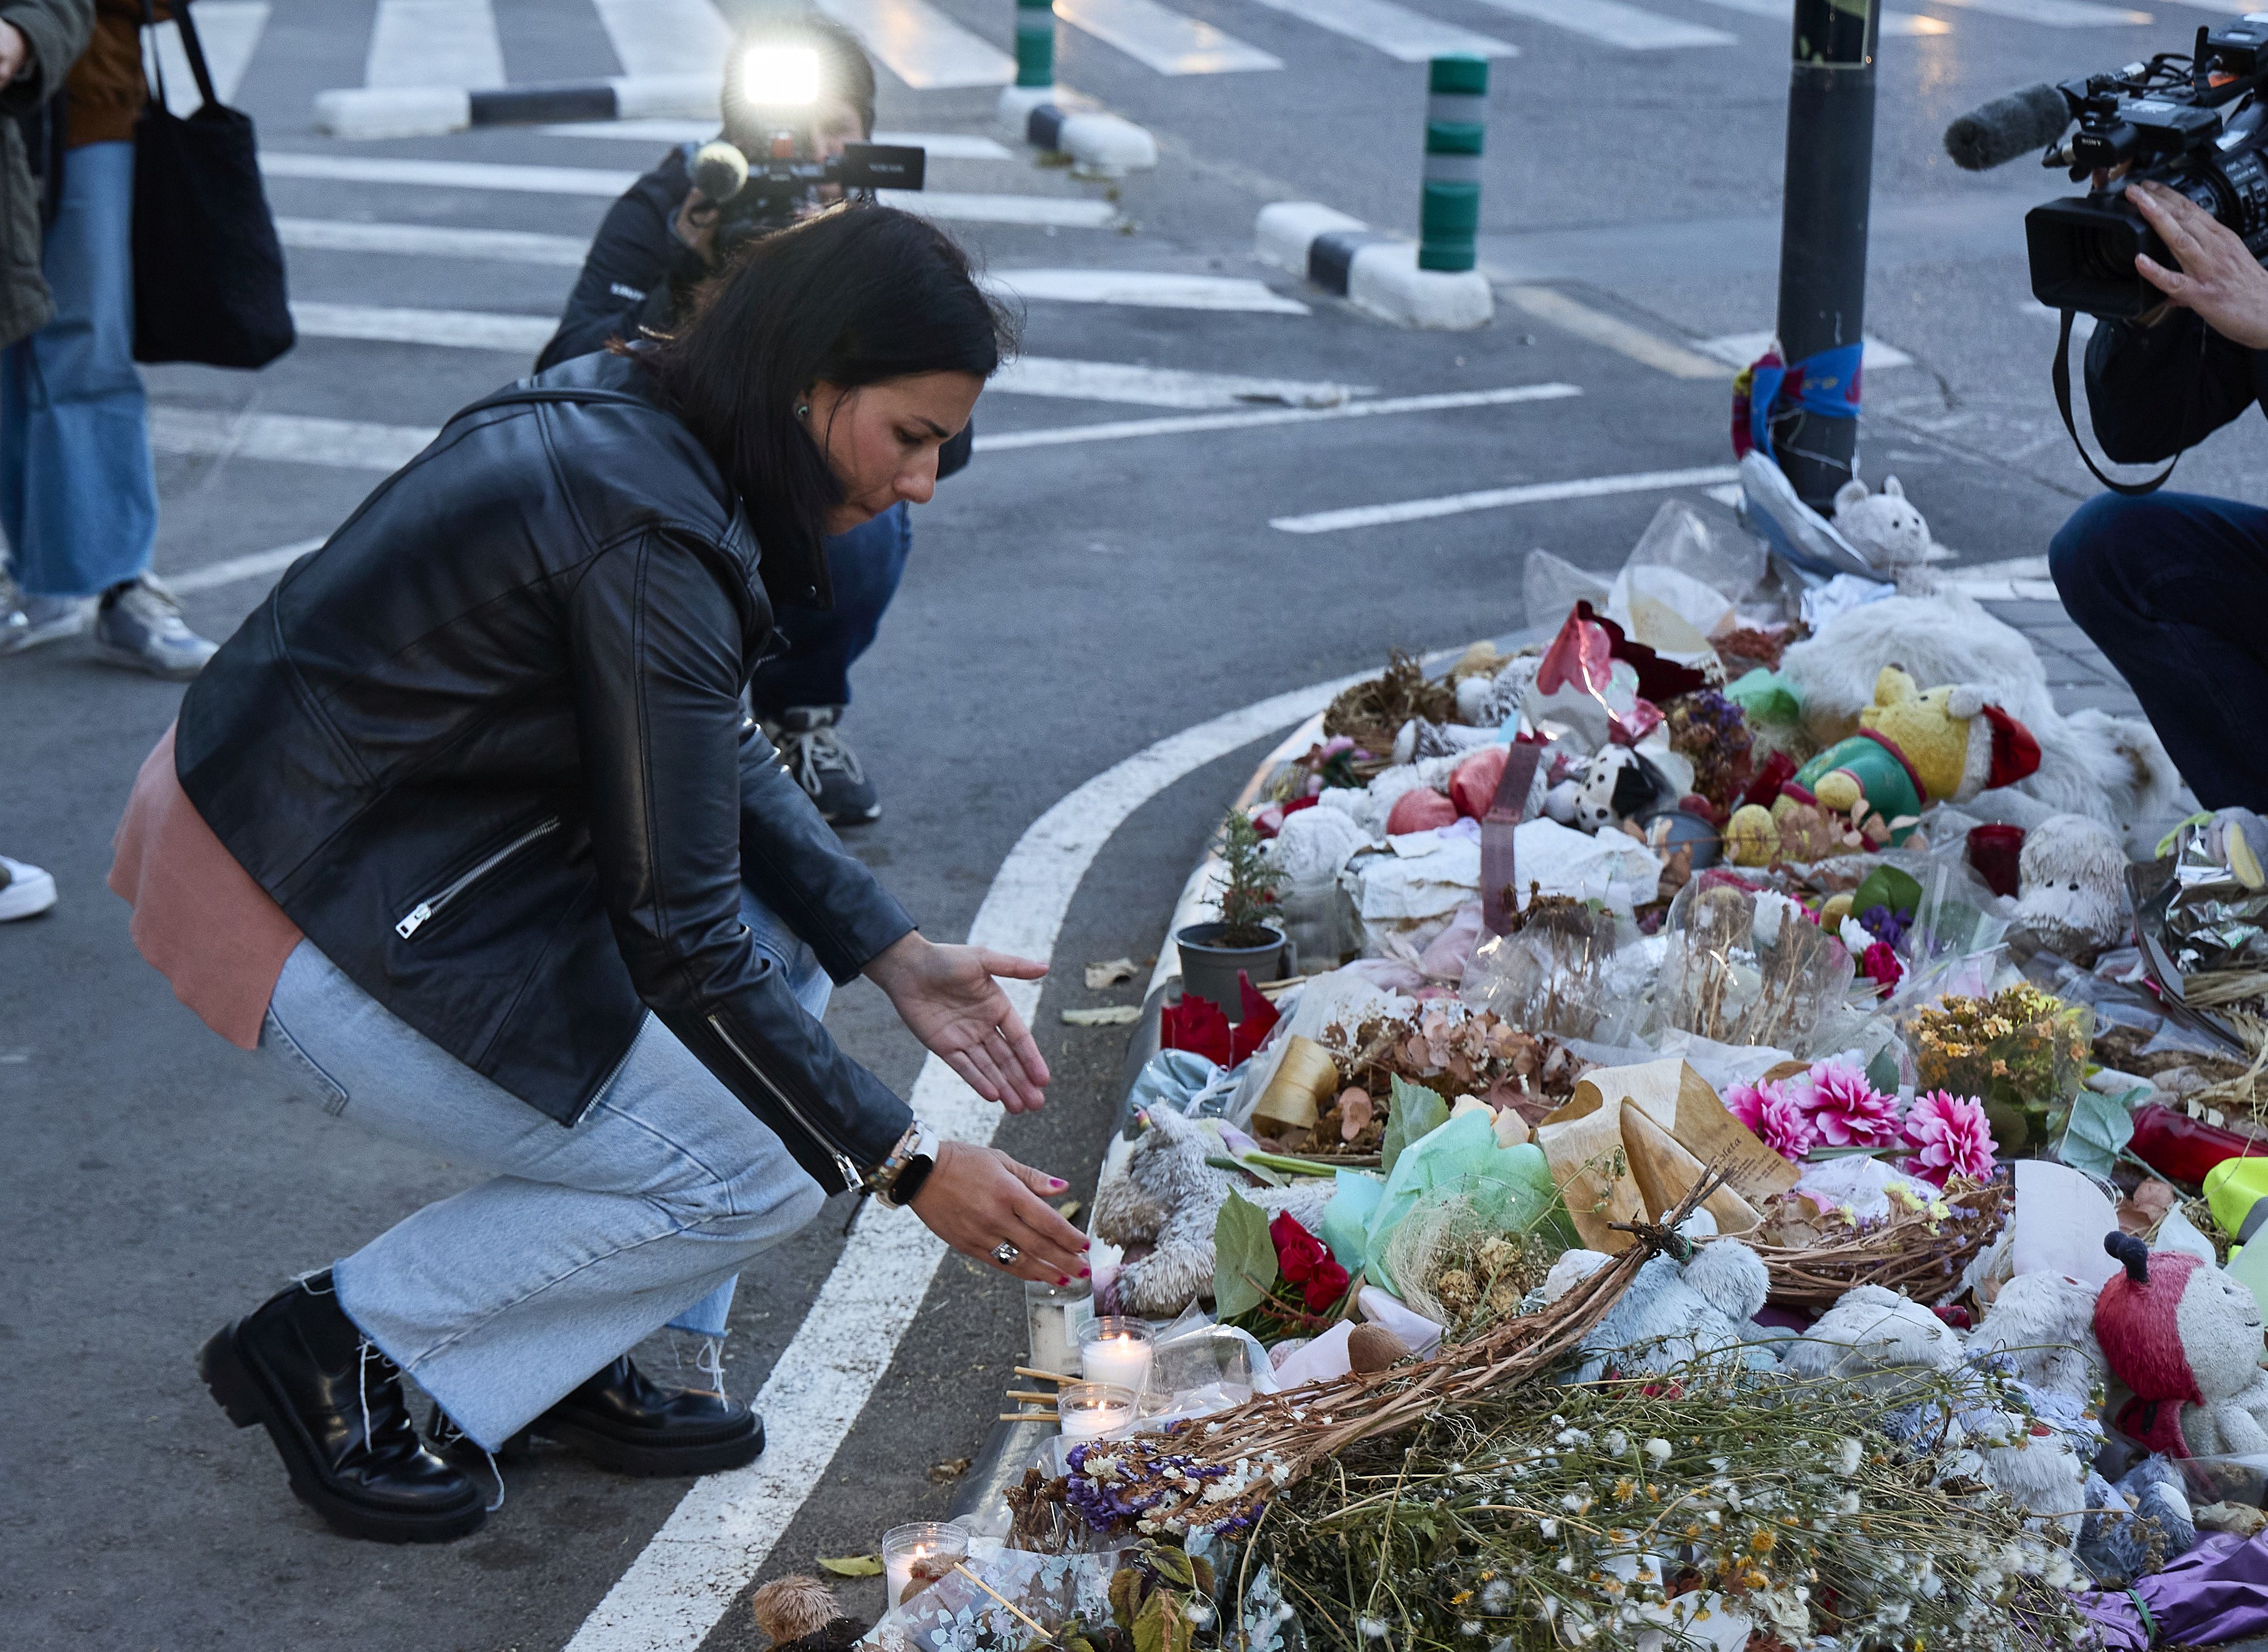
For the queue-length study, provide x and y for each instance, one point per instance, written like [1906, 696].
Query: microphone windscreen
[719, 170]
[1996, 133]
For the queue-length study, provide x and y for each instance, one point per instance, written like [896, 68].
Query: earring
[804, 412]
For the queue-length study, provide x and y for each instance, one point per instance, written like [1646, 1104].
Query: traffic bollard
[1035, 42]
[1823, 241]
[1449, 214]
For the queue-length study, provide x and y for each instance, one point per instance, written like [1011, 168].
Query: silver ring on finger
[1005, 1254]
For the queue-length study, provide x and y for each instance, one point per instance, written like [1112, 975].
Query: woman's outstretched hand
[946, 995]
[978, 1199]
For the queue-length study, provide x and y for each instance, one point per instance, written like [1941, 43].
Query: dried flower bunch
[1713, 732]
[1452, 1049]
[1372, 713]
[1627, 1514]
[2020, 1051]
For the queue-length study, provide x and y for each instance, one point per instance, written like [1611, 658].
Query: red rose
[1325, 1287]
[1299, 1253]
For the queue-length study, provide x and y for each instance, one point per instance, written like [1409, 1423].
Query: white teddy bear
[1888, 531]
[2073, 893]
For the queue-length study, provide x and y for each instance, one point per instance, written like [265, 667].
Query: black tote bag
[208, 269]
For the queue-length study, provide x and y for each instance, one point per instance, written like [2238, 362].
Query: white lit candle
[1094, 1411]
[917, 1555]
[1116, 1350]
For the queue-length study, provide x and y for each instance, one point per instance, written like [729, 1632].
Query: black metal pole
[1823, 238]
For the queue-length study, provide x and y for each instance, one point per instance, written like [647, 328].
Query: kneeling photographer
[802, 93]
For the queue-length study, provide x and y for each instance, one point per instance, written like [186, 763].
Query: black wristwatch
[907, 1169]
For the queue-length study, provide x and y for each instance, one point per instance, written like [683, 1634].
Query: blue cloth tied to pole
[1826, 384]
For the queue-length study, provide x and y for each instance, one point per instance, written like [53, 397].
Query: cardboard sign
[1670, 1126]
[1499, 873]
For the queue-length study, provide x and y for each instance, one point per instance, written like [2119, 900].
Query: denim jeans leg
[819, 645]
[499, 1300]
[78, 493]
[2171, 587]
[808, 981]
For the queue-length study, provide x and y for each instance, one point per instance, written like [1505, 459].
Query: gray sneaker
[25, 621]
[140, 626]
[824, 766]
[25, 890]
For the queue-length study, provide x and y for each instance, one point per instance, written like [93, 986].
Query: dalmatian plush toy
[1612, 787]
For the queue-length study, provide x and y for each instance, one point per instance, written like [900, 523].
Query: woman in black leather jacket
[565, 916]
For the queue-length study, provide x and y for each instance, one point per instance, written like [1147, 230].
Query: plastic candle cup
[1094, 1411]
[1116, 1350]
[916, 1556]
[1053, 1316]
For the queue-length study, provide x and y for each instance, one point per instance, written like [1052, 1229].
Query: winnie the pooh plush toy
[1915, 749]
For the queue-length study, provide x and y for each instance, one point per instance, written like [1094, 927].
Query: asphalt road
[1066, 606]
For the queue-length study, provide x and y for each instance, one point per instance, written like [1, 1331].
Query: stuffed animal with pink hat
[2187, 1339]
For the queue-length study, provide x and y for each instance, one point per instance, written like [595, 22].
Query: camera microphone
[719, 170]
[1994, 133]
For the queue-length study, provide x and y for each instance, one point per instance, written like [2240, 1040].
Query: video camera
[757, 195]
[2193, 122]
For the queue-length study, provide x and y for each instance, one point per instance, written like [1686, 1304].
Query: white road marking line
[923, 47]
[718, 1537]
[1920, 24]
[445, 175]
[449, 329]
[666, 37]
[1893, 23]
[431, 240]
[1145, 289]
[1548, 304]
[1738, 350]
[1123, 429]
[1164, 40]
[1494, 498]
[229, 31]
[1068, 212]
[238, 569]
[1406, 36]
[2056, 14]
[287, 438]
[1612, 22]
[2017, 580]
[434, 43]
[1157, 387]
[940, 145]
[949, 146]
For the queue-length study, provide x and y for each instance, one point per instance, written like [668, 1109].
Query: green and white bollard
[1449, 216]
[1035, 43]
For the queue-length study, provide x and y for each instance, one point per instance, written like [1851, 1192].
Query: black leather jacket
[2152, 391]
[485, 748]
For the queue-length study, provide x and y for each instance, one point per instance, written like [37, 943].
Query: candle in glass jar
[1053, 1317]
[916, 1556]
[1094, 1411]
[1115, 1350]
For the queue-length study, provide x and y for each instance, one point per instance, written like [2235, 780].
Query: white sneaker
[26, 621]
[24, 890]
[140, 626]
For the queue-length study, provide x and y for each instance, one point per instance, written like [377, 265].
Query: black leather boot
[333, 1406]
[621, 1422]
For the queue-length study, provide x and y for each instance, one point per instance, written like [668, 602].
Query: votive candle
[1117, 1351]
[916, 1556]
[1094, 1411]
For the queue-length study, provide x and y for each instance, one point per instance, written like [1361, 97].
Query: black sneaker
[622, 1420]
[333, 1406]
[822, 766]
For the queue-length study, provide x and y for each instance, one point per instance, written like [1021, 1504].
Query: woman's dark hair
[853, 297]
[845, 71]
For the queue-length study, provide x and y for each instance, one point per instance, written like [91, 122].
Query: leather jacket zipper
[430, 908]
[852, 1178]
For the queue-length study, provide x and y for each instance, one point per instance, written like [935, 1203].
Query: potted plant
[1243, 938]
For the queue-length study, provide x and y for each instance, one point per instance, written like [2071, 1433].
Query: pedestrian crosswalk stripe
[449, 329]
[1068, 212]
[940, 145]
[1612, 22]
[1144, 288]
[666, 37]
[447, 174]
[1738, 350]
[1157, 387]
[923, 47]
[431, 43]
[2056, 14]
[1495, 498]
[1409, 36]
[286, 438]
[1164, 40]
[229, 30]
[432, 240]
[1263, 418]
[1893, 23]
[258, 564]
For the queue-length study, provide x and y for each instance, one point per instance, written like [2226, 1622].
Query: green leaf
[2101, 1126]
[1417, 1111]
[1243, 1258]
[852, 1565]
[1173, 1565]
[1882, 1071]
[1886, 886]
[1159, 1625]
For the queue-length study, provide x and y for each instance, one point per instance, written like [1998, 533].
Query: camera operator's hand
[696, 224]
[2219, 277]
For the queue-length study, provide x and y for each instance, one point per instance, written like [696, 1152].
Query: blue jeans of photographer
[2172, 587]
[813, 666]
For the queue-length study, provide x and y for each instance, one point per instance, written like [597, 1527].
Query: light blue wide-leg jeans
[79, 493]
[502, 1299]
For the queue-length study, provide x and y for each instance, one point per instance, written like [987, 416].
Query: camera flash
[779, 76]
